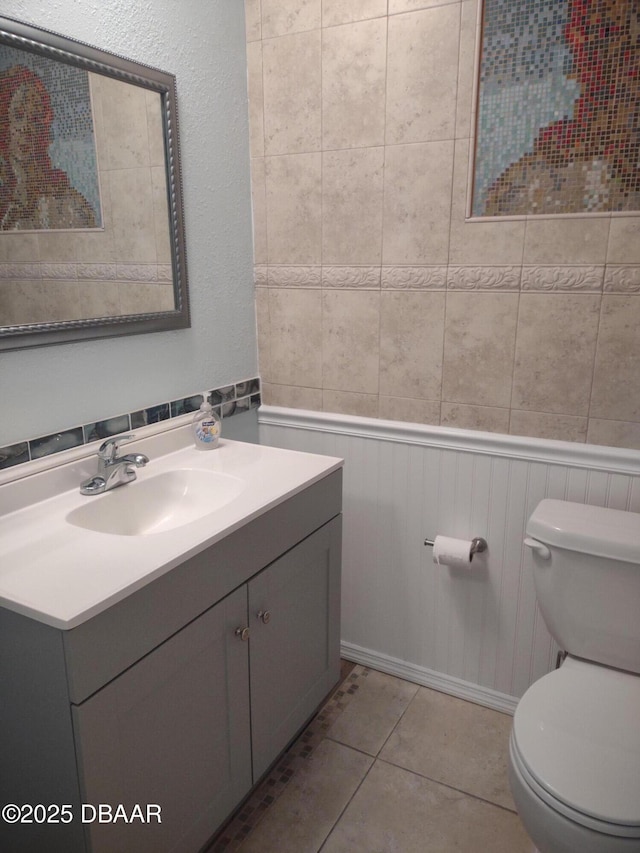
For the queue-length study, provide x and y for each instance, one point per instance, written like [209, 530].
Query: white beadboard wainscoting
[476, 633]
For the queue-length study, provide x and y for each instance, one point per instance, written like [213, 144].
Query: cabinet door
[294, 613]
[173, 731]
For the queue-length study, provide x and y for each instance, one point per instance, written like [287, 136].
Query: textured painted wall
[203, 44]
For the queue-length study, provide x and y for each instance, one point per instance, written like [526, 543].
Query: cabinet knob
[265, 615]
[243, 633]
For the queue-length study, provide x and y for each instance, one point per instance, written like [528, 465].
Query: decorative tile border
[97, 272]
[88, 272]
[483, 278]
[294, 276]
[260, 275]
[541, 278]
[231, 836]
[570, 279]
[623, 279]
[351, 277]
[414, 278]
[229, 400]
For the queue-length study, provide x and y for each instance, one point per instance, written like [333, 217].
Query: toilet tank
[587, 579]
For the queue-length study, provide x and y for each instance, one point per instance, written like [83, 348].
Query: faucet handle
[108, 450]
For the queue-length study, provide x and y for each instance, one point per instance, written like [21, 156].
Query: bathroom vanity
[174, 692]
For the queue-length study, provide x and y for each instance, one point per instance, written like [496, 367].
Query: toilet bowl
[574, 760]
[574, 751]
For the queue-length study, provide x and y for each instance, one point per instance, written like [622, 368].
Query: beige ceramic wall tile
[280, 17]
[295, 355]
[566, 241]
[263, 332]
[259, 210]
[397, 6]
[544, 425]
[479, 348]
[454, 742]
[100, 298]
[138, 297]
[421, 77]
[124, 113]
[293, 192]
[311, 803]
[28, 301]
[292, 397]
[614, 433]
[353, 84]
[411, 340]
[486, 418]
[256, 99]
[395, 810]
[98, 247]
[292, 93]
[350, 340]
[345, 11]
[155, 129]
[57, 247]
[352, 206]
[16, 248]
[624, 240]
[555, 352]
[350, 403]
[417, 203]
[466, 67]
[616, 382]
[479, 243]
[409, 410]
[253, 19]
[161, 214]
[131, 191]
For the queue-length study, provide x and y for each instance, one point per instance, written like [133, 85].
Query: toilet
[574, 751]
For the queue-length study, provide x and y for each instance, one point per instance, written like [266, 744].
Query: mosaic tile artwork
[558, 127]
[48, 165]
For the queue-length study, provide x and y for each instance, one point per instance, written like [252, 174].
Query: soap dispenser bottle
[206, 427]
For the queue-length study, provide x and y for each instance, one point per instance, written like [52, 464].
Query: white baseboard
[429, 678]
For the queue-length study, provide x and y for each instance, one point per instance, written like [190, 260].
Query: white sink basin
[163, 502]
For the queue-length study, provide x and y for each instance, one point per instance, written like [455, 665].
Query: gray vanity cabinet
[294, 608]
[164, 699]
[173, 730]
[183, 726]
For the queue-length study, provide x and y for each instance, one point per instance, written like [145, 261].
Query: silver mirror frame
[24, 36]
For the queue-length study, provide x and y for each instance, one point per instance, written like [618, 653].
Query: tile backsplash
[227, 401]
[376, 295]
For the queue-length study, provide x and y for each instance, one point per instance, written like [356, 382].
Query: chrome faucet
[113, 470]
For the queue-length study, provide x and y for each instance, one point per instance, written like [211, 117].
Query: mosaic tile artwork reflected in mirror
[558, 105]
[91, 228]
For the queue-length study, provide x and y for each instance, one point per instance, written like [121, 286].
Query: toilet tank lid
[603, 532]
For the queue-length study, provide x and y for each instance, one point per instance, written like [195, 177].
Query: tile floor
[386, 767]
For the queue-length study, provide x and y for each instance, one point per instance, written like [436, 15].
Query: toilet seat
[576, 743]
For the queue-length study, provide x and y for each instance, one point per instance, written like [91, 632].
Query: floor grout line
[248, 816]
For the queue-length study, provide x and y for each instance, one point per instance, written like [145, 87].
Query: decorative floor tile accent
[251, 812]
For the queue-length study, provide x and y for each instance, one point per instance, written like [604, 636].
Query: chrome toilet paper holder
[478, 544]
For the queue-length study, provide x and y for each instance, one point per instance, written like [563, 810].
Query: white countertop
[62, 575]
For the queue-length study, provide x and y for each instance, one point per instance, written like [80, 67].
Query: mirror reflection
[87, 238]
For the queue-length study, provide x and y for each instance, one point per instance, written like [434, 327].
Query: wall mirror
[91, 220]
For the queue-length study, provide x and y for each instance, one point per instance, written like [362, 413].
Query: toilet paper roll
[452, 552]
